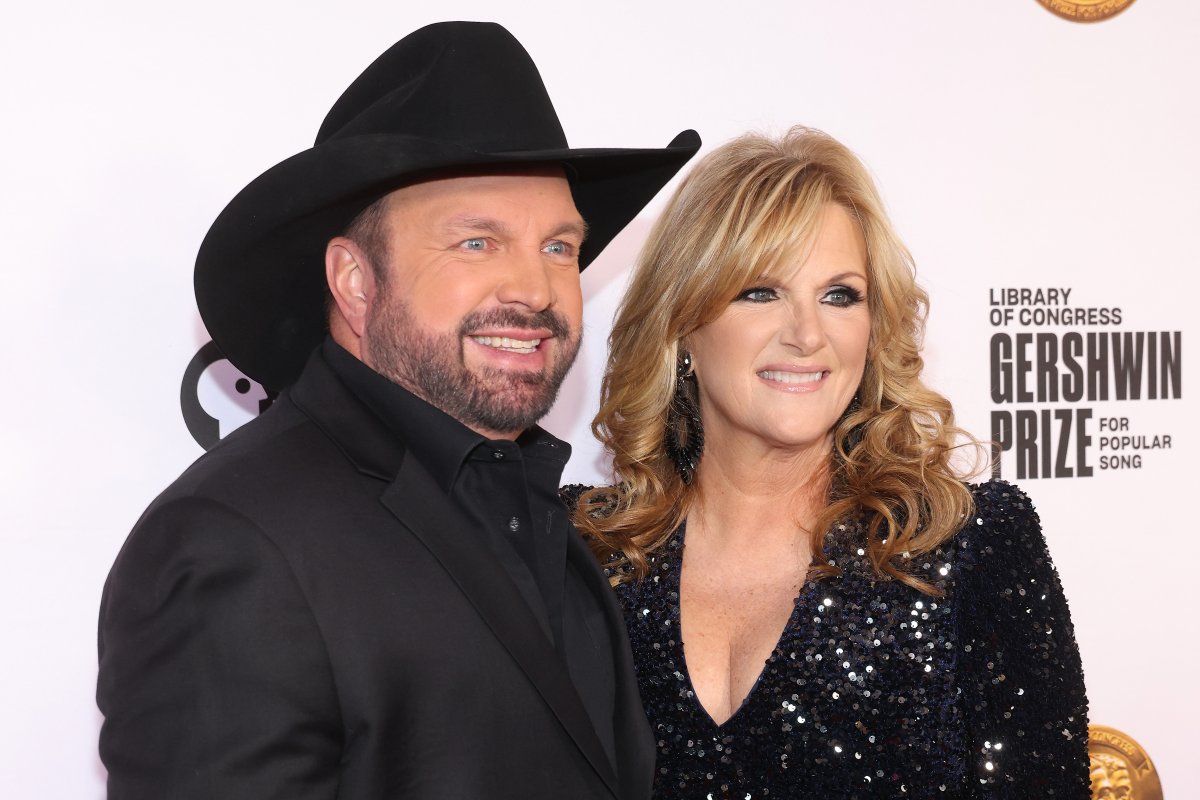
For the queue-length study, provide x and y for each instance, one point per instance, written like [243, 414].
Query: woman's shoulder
[613, 564]
[603, 499]
[1004, 529]
[570, 494]
[1006, 586]
[1000, 504]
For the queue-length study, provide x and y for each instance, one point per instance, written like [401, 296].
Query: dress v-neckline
[676, 576]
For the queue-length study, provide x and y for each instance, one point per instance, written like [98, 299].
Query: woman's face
[782, 363]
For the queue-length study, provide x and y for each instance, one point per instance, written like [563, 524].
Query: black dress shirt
[509, 491]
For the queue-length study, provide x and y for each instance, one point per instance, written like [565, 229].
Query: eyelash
[755, 290]
[853, 296]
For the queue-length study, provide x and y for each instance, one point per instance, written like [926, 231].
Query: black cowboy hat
[449, 96]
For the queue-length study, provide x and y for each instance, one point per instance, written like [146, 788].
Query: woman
[819, 607]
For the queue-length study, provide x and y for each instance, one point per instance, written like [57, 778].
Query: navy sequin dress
[878, 691]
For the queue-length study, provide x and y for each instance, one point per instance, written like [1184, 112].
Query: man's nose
[526, 281]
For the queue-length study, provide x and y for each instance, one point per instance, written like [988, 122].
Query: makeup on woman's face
[783, 361]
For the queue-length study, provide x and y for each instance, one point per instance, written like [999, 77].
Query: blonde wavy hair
[740, 214]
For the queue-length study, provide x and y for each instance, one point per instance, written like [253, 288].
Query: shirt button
[498, 455]
[514, 524]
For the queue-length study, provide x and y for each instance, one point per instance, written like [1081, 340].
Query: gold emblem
[1121, 770]
[1086, 10]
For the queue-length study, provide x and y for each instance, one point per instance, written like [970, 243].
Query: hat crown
[467, 83]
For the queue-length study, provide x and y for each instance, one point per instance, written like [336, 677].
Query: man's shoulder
[279, 482]
[277, 456]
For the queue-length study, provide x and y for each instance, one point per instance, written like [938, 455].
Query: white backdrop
[1015, 149]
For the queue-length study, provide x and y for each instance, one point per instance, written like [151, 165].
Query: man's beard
[433, 367]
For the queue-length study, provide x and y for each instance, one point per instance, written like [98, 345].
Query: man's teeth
[511, 345]
[791, 377]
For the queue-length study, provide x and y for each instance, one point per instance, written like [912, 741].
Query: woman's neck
[759, 494]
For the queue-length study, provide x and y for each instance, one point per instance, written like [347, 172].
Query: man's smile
[508, 344]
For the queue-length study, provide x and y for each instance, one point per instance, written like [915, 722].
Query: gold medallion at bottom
[1086, 10]
[1121, 770]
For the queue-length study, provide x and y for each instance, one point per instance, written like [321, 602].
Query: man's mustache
[546, 319]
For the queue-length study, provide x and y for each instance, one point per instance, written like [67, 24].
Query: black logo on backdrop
[216, 398]
[1091, 361]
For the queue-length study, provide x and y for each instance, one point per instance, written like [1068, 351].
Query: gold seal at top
[1086, 10]
[1121, 770]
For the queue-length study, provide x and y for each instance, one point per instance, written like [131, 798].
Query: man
[372, 590]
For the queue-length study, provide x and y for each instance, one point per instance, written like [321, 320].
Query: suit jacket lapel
[415, 500]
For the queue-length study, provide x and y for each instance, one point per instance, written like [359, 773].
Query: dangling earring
[685, 432]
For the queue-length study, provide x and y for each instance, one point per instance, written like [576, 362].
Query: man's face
[479, 310]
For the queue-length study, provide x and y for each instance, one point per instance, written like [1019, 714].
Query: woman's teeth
[791, 377]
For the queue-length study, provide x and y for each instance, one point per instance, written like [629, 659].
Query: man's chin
[523, 382]
[504, 422]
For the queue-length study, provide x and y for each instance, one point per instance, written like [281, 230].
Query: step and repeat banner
[1039, 157]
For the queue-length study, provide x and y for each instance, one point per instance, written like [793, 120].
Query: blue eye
[843, 296]
[477, 243]
[758, 294]
[557, 248]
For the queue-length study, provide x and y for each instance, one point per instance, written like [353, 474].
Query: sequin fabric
[878, 691]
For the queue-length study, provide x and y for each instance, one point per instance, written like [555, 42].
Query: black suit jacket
[303, 615]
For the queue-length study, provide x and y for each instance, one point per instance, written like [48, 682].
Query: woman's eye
[843, 296]
[758, 294]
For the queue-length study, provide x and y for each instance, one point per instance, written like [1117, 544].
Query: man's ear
[351, 284]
